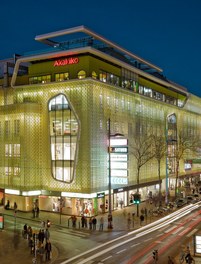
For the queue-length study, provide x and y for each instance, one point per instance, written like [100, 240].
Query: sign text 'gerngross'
[66, 61]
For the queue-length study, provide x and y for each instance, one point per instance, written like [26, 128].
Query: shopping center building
[69, 116]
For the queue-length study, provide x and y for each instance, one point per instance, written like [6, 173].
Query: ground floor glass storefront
[86, 204]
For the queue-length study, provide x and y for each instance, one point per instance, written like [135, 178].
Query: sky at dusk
[166, 33]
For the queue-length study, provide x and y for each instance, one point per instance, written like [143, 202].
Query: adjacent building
[69, 116]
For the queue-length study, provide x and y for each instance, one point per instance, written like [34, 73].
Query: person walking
[129, 221]
[101, 224]
[41, 252]
[170, 261]
[83, 221]
[47, 235]
[48, 250]
[94, 222]
[15, 207]
[90, 223]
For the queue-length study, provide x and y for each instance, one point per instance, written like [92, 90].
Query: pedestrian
[109, 218]
[94, 222]
[37, 211]
[48, 250]
[7, 206]
[41, 252]
[83, 221]
[74, 220]
[189, 259]
[47, 234]
[15, 207]
[90, 223]
[101, 224]
[31, 245]
[129, 221]
[141, 219]
[42, 224]
[25, 229]
[33, 212]
[29, 232]
[170, 261]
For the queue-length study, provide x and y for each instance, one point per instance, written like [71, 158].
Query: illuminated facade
[55, 105]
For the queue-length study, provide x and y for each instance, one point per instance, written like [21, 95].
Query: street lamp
[109, 180]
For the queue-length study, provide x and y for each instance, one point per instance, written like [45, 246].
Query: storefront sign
[119, 173]
[100, 195]
[67, 61]
[119, 180]
[118, 150]
[118, 157]
[118, 142]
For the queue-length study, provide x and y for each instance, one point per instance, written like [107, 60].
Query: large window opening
[63, 134]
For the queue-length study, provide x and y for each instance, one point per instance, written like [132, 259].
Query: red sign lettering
[66, 61]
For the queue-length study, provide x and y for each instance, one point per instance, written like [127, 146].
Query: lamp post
[109, 180]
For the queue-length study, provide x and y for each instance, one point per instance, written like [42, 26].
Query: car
[181, 202]
[196, 196]
[190, 199]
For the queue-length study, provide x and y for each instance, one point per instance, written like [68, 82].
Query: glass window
[81, 74]
[8, 171]
[59, 77]
[7, 127]
[63, 138]
[16, 171]
[8, 150]
[40, 79]
[103, 76]
[16, 150]
[17, 127]
[94, 75]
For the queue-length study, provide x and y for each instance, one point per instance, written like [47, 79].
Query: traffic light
[155, 255]
[137, 198]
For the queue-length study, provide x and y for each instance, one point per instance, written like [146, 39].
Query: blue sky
[166, 33]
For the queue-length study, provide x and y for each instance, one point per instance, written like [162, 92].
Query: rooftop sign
[67, 61]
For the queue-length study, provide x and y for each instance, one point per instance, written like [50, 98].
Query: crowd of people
[90, 223]
[39, 241]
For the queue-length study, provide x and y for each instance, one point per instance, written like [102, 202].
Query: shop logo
[67, 61]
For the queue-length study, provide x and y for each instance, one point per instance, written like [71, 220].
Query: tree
[141, 149]
[159, 152]
[184, 144]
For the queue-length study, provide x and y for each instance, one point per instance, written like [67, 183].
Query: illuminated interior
[63, 135]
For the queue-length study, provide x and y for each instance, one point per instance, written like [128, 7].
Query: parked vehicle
[180, 202]
[190, 199]
[196, 196]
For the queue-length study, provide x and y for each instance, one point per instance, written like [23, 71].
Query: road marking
[179, 229]
[135, 245]
[170, 229]
[148, 239]
[106, 258]
[121, 251]
[192, 232]
[184, 231]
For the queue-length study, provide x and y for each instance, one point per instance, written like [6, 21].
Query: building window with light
[81, 74]
[40, 79]
[59, 77]
[63, 138]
